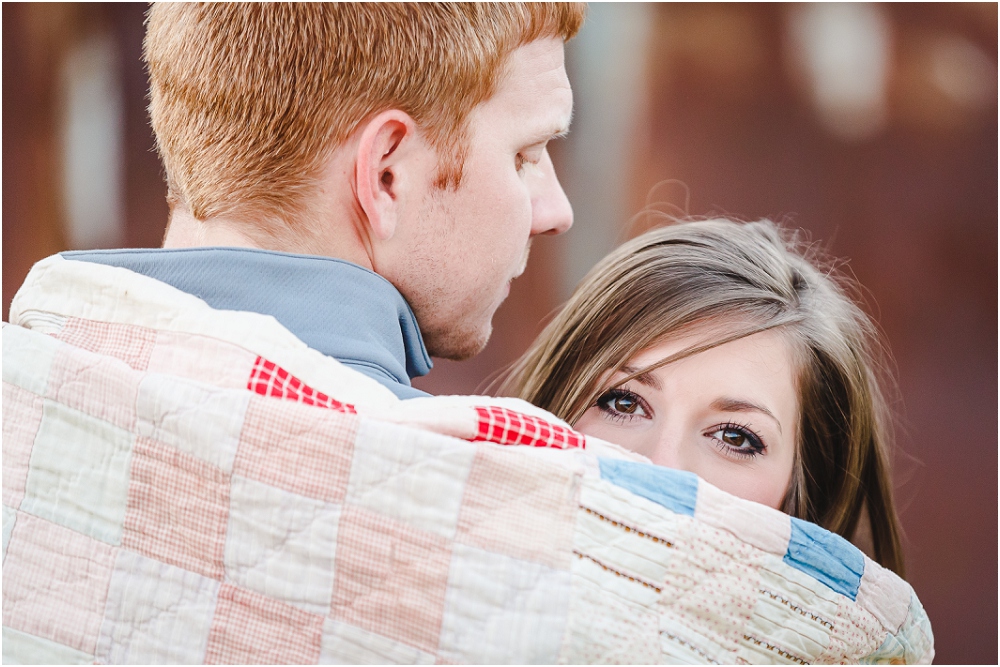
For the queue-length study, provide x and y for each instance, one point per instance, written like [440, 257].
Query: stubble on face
[463, 334]
[450, 333]
[458, 345]
[453, 321]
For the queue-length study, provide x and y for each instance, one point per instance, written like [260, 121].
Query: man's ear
[380, 175]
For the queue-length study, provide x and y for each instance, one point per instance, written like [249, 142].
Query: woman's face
[729, 414]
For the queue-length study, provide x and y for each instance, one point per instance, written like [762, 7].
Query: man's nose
[551, 212]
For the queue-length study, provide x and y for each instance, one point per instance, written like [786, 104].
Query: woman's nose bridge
[669, 452]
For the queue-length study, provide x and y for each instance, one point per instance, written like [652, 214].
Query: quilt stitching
[627, 527]
[619, 573]
[805, 612]
[775, 649]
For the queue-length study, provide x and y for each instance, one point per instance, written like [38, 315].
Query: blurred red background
[874, 127]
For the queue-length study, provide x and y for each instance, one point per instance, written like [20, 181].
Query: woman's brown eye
[626, 404]
[622, 405]
[734, 438]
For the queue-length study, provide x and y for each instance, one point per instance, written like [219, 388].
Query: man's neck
[186, 231]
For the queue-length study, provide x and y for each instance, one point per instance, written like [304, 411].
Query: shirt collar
[338, 308]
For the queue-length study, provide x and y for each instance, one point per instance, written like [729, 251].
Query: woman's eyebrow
[647, 379]
[738, 405]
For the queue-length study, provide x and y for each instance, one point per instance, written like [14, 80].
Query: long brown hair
[739, 278]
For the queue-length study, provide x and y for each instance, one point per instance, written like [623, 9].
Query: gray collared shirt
[338, 308]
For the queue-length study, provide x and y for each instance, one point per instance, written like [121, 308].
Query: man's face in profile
[469, 243]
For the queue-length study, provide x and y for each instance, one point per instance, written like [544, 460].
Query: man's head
[418, 123]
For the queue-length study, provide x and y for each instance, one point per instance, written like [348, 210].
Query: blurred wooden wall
[37, 38]
[34, 38]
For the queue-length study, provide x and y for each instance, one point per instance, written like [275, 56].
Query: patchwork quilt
[188, 485]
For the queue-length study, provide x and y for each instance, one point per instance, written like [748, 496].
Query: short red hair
[248, 100]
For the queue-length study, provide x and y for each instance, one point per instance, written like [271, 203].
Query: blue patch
[826, 557]
[674, 489]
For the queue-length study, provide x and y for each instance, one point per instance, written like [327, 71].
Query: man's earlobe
[378, 169]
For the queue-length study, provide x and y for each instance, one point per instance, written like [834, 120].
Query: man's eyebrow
[548, 135]
[738, 405]
[647, 379]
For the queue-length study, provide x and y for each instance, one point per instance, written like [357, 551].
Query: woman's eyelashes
[736, 440]
[623, 405]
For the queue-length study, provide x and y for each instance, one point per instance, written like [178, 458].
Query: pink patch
[269, 379]
[178, 508]
[55, 583]
[390, 578]
[519, 507]
[250, 628]
[297, 448]
[22, 414]
[102, 387]
[129, 343]
[201, 358]
[763, 527]
[886, 596]
[508, 427]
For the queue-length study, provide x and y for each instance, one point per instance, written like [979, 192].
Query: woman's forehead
[704, 334]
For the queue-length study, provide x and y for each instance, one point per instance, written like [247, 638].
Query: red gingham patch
[269, 379]
[296, 448]
[390, 578]
[178, 509]
[507, 427]
[131, 344]
[250, 628]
